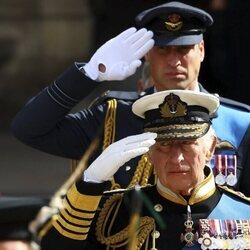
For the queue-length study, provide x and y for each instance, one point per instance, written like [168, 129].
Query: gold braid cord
[109, 130]
[105, 222]
[142, 172]
[144, 167]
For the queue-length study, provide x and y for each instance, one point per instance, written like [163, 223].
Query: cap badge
[174, 23]
[172, 106]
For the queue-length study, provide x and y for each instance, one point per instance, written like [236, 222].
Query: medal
[220, 178]
[189, 237]
[231, 179]
[206, 242]
[218, 243]
[224, 234]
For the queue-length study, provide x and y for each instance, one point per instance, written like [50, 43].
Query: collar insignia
[174, 22]
[173, 107]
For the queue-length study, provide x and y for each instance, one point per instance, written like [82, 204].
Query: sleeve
[45, 123]
[70, 228]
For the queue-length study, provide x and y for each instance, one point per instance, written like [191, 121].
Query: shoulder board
[119, 95]
[123, 190]
[235, 104]
[234, 193]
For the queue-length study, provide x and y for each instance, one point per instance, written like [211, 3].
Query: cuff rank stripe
[64, 94]
[75, 220]
[87, 217]
[69, 231]
[74, 223]
[73, 211]
[60, 97]
[75, 217]
[80, 202]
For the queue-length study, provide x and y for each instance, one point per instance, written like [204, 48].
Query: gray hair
[209, 136]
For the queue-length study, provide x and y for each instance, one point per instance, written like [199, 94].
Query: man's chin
[175, 85]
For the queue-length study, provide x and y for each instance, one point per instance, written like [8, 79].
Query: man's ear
[210, 152]
[202, 50]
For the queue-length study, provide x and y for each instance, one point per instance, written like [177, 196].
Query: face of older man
[179, 164]
[175, 67]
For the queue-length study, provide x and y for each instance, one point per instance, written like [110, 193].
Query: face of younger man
[175, 67]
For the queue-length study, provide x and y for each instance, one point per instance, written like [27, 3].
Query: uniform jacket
[45, 123]
[160, 213]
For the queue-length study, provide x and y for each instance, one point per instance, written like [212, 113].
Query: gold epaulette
[107, 218]
[235, 193]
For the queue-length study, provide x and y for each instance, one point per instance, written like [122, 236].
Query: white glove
[121, 55]
[114, 156]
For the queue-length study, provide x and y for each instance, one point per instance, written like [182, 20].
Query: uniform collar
[202, 192]
[151, 90]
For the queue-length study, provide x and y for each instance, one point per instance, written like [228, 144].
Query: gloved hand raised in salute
[118, 153]
[119, 58]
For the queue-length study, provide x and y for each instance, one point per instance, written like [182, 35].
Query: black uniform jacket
[80, 224]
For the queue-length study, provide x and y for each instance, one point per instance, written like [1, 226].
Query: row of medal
[224, 234]
[224, 167]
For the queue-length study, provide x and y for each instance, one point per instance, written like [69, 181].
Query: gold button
[158, 208]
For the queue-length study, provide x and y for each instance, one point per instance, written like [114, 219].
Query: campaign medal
[205, 241]
[189, 237]
[231, 179]
[220, 178]
[224, 234]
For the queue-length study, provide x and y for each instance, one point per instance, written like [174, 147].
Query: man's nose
[173, 58]
[176, 154]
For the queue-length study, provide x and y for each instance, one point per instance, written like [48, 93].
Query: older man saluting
[184, 210]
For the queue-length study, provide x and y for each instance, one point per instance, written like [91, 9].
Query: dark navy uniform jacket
[45, 123]
[80, 225]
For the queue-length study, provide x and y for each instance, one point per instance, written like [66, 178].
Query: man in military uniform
[175, 59]
[184, 210]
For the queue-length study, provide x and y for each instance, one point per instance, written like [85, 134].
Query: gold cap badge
[173, 107]
[174, 22]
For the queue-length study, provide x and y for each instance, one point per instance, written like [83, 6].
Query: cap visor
[177, 40]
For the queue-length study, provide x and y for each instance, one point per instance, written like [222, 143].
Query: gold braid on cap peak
[144, 167]
[105, 222]
[193, 130]
[172, 106]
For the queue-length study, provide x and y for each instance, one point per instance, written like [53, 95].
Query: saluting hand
[119, 58]
[118, 153]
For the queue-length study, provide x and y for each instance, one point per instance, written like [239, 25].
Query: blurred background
[39, 39]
